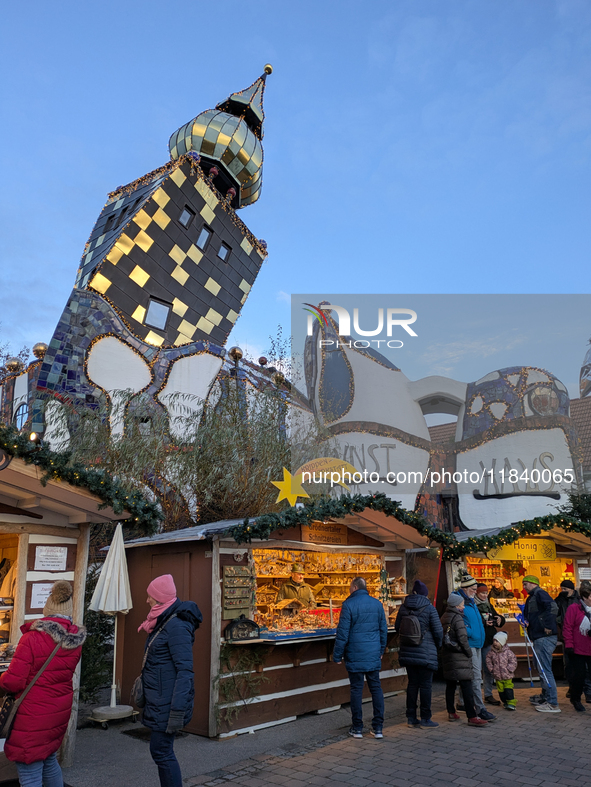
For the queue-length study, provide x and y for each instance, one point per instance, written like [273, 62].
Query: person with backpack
[540, 613]
[456, 661]
[420, 637]
[361, 640]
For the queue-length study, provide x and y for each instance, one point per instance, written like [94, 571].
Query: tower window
[224, 252]
[21, 415]
[157, 314]
[144, 425]
[204, 237]
[186, 216]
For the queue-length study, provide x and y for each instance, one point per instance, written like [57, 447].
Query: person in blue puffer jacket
[168, 672]
[475, 629]
[361, 641]
[420, 660]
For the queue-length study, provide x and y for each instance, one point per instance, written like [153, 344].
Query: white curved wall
[114, 366]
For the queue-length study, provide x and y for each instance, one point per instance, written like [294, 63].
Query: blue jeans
[420, 683]
[377, 698]
[544, 647]
[161, 749]
[43, 773]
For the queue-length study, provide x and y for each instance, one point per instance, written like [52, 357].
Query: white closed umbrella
[112, 595]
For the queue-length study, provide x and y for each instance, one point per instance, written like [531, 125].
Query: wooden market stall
[552, 557]
[44, 536]
[283, 667]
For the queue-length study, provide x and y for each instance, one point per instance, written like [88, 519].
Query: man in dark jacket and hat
[421, 659]
[361, 640]
[540, 614]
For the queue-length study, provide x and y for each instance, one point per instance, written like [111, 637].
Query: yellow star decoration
[290, 488]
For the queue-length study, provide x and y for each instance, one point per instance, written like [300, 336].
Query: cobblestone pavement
[521, 748]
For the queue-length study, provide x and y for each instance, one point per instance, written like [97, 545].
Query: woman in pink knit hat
[168, 672]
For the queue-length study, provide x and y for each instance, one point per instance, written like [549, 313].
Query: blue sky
[428, 146]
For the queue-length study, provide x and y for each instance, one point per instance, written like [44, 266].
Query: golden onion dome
[230, 136]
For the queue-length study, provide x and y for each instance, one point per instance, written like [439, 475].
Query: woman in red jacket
[577, 644]
[42, 718]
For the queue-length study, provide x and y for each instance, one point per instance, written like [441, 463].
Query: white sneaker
[547, 708]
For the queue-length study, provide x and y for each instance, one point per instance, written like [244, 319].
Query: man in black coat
[492, 620]
[420, 660]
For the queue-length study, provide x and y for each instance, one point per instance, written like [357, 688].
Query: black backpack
[410, 631]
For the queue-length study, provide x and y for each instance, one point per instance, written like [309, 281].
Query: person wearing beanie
[295, 587]
[540, 613]
[43, 716]
[502, 663]
[475, 630]
[568, 595]
[168, 672]
[456, 661]
[420, 588]
[492, 620]
[418, 653]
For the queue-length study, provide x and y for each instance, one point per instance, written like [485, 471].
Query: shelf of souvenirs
[294, 622]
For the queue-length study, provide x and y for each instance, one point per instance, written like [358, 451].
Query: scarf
[150, 622]
[586, 622]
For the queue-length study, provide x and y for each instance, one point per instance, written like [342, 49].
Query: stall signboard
[324, 533]
[40, 593]
[50, 558]
[541, 549]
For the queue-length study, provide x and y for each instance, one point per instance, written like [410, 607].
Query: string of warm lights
[57, 466]
[338, 508]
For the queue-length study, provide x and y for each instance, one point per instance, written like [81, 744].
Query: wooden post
[69, 743]
[18, 612]
[216, 627]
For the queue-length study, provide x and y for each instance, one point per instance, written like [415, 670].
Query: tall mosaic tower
[166, 269]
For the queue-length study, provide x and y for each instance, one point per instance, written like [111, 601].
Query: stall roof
[25, 501]
[571, 539]
[197, 533]
[392, 533]
[387, 529]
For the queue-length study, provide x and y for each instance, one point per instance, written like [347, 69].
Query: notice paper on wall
[50, 558]
[40, 593]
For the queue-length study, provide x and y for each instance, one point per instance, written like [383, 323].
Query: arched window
[21, 415]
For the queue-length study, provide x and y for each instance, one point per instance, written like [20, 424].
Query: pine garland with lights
[144, 515]
[338, 508]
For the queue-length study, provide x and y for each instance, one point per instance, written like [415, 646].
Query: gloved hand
[176, 721]
[570, 651]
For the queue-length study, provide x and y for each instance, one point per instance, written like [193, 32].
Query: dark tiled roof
[580, 411]
[443, 433]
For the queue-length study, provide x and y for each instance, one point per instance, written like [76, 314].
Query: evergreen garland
[144, 515]
[337, 508]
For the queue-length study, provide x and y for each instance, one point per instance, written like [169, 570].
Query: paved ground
[522, 748]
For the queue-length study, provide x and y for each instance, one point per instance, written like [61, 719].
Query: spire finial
[268, 69]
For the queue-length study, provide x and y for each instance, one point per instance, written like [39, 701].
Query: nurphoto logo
[392, 320]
